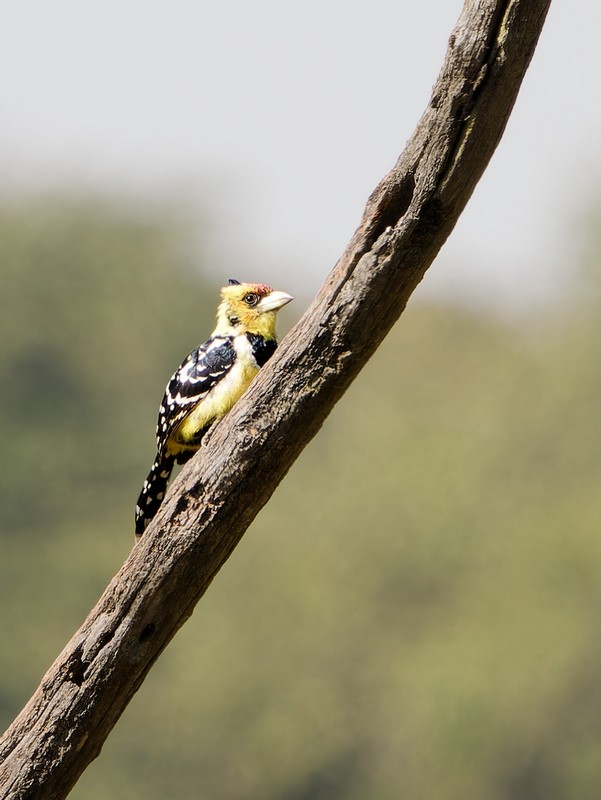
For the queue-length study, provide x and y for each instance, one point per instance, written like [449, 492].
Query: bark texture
[216, 497]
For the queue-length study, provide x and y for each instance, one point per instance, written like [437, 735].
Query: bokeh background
[415, 613]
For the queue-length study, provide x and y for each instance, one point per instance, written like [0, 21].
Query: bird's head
[249, 308]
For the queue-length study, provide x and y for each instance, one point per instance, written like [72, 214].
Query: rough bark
[214, 500]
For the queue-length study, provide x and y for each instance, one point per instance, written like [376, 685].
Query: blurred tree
[442, 576]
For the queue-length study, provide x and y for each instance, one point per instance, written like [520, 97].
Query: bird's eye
[251, 299]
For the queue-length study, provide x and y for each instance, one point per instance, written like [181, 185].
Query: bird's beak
[274, 301]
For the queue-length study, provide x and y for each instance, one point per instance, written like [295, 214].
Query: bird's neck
[262, 325]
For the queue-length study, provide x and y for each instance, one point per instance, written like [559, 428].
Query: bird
[209, 381]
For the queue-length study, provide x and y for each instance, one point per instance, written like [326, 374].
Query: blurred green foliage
[414, 614]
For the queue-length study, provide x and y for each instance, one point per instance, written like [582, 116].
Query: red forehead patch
[263, 289]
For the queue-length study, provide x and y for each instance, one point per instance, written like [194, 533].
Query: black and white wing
[199, 373]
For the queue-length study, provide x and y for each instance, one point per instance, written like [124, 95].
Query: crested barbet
[209, 381]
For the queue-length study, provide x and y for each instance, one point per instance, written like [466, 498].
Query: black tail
[153, 492]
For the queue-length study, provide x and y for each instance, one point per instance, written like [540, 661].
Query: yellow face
[249, 308]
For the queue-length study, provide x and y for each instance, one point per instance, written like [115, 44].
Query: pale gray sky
[284, 116]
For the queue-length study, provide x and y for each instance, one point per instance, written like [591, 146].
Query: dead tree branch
[214, 500]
